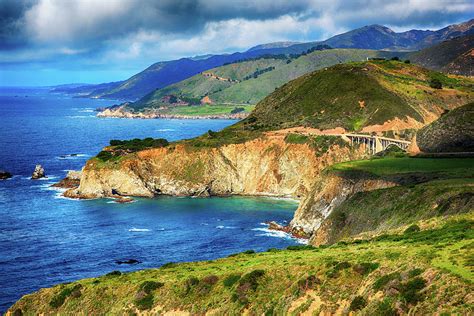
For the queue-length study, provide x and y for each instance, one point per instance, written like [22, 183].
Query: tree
[436, 84]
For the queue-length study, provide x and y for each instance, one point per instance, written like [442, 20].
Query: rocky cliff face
[264, 166]
[328, 192]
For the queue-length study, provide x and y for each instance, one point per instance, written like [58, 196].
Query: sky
[49, 42]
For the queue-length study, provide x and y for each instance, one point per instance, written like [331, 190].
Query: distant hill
[250, 81]
[455, 56]
[273, 45]
[355, 96]
[452, 132]
[376, 37]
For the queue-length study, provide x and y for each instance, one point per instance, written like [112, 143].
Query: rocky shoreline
[121, 112]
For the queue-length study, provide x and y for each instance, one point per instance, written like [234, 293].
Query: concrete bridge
[374, 144]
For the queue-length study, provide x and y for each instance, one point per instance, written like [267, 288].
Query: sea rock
[5, 175]
[127, 261]
[72, 180]
[38, 173]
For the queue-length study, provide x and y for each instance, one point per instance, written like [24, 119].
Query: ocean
[46, 239]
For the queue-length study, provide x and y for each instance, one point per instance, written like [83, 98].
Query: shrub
[414, 272]
[169, 265]
[436, 84]
[358, 303]
[412, 229]
[206, 284]
[308, 283]
[149, 286]
[59, 299]
[248, 252]
[191, 283]
[105, 155]
[231, 280]
[395, 58]
[300, 247]
[113, 273]
[384, 308]
[237, 110]
[410, 290]
[365, 268]
[407, 61]
[249, 282]
[383, 280]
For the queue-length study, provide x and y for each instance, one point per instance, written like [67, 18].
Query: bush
[407, 61]
[300, 247]
[384, 308]
[231, 280]
[149, 286]
[395, 58]
[436, 84]
[59, 299]
[358, 303]
[414, 272]
[137, 144]
[412, 229]
[237, 110]
[383, 280]
[169, 265]
[410, 290]
[365, 268]
[249, 282]
[113, 273]
[105, 155]
[308, 283]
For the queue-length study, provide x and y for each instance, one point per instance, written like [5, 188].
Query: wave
[47, 178]
[72, 156]
[278, 234]
[225, 227]
[165, 130]
[80, 116]
[137, 230]
[87, 110]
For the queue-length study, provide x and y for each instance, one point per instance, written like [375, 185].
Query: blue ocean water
[46, 239]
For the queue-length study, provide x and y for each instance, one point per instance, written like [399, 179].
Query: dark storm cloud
[11, 26]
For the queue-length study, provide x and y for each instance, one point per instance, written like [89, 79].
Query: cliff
[264, 166]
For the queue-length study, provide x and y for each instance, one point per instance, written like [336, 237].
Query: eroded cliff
[263, 166]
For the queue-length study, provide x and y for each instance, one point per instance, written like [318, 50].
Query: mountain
[273, 45]
[376, 37]
[249, 81]
[455, 56]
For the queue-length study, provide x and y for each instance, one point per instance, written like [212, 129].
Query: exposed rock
[127, 261]
[263, 166]
[38, 173]
[5, 175]
[72, 180]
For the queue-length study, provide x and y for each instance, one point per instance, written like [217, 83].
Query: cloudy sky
[45, 42]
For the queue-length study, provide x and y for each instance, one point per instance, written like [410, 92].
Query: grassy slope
[429, 187]
[329, 98]
[253, 90]
[424, 272]
[452, 56]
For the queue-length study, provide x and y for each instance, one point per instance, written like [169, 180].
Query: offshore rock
[5, 175]
[38, 173]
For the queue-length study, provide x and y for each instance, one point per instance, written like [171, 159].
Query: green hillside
[453, 56]
[249, 81]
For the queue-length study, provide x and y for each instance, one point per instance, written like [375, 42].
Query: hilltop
[374, 37]
[455, 56]
[246, 82]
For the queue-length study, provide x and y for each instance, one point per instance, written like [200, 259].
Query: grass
[207, 110]
[269, 281]
[452, 167]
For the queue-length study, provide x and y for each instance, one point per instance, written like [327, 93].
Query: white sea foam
[136, 230]
[79, 116]
[225, 227]
[165, 130]
[88, 110]
[72, 156]
[265, 232]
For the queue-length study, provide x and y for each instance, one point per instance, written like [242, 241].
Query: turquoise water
[46, 239]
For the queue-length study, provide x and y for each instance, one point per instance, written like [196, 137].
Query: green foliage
[365, 268]
[412, 229]
[138, 144]
[105, 155]
[59, 299]
[384, 308]
[230, 280]
[300, 247]
[113, 273]
[149, 286]
[358, 303]
[435, 83]
[308, 283]
[410, 291]
[169, 265]
[414, 272]
[248, 283]
[237, 110]
[384, 279]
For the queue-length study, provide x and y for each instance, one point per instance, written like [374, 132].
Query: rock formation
[38, 173]
[5, 175]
